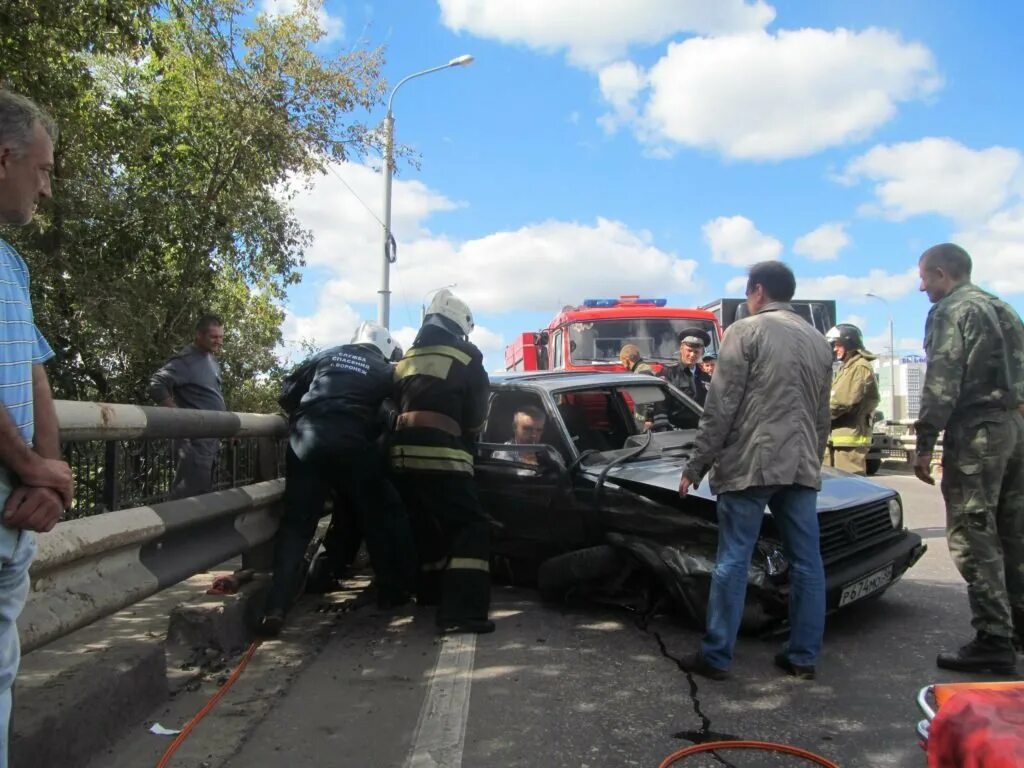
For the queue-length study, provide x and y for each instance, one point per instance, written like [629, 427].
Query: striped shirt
[21, 343]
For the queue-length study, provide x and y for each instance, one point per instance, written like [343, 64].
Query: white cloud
[939, 175]
[735, 240]
[767, 96]
[333, 27]
[847, 288]
[620, 84]
[823, 243]
[736, 286]
[859, 320]
[997, 251]
[535, 267]
[602, 31]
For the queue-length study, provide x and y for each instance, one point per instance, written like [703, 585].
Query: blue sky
[661, 146]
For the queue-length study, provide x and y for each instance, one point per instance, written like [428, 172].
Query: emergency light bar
[623, 301]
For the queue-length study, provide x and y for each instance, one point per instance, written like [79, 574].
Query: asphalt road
[569, 688]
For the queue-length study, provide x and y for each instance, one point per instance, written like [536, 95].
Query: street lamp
[384, 307]
[892, 354]
[431, 292]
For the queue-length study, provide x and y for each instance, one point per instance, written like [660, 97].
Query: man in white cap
[687, 375]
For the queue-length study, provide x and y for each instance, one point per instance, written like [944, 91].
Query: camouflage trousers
[983, 485]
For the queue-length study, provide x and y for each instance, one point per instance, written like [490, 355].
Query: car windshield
[604, 419]
[657, 338]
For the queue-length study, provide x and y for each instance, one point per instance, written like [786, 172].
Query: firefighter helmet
[846, 334]
[447, 304]
[376, 335]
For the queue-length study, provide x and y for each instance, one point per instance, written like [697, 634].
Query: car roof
[555, 380]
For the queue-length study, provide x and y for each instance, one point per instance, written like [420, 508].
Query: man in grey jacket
[191, 379]
[762, 435]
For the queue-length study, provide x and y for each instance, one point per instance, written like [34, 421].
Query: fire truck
[588, 337]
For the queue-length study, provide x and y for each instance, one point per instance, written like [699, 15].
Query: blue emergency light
[623, 302]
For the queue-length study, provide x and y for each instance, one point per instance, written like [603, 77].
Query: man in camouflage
[853, 401]
[974, 390]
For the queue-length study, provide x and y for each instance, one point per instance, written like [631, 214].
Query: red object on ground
[978, 727]
[229, 585]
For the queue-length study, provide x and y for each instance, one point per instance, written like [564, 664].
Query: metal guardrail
[91, 567]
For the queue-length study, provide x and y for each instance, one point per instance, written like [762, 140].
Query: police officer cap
[709, 357]
[694, 337]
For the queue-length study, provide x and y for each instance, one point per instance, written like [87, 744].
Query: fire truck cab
[588, 337]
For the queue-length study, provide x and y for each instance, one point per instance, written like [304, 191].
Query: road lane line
[441, 729]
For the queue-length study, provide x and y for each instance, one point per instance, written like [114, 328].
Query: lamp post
[384, 306]
[431, 292]
[892, 354]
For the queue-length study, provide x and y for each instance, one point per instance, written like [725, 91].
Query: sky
[660, 147]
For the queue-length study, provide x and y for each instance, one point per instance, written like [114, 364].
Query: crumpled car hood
[838, 489]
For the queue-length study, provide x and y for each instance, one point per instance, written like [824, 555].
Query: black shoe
[985, 653]
[473, 626]
[799, 671]
[698, 665]
[271, 624]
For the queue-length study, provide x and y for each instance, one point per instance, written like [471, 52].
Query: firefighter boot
[985, 653]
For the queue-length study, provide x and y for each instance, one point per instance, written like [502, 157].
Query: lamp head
[461, 61]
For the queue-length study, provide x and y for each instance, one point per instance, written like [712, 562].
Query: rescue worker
[853, 401]
[335, 401]
[974, 390]
[631, 360]
[687, 375]
[441, 390]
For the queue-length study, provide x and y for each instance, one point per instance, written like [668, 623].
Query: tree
[183, 124]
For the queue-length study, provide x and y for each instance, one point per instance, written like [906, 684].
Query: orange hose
[180, 739]
[764, 746]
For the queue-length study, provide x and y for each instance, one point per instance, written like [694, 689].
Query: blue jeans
[740, 514]
[17, 548]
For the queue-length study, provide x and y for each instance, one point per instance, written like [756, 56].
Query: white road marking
[441, 729]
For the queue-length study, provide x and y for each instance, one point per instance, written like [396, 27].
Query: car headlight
[896, 512]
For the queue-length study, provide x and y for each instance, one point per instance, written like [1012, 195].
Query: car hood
[838, 489]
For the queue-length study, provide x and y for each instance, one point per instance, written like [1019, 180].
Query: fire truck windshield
[599, 341]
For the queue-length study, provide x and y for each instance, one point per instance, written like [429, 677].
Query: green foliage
[182, 123]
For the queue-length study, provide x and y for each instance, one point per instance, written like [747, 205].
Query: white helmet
[447, 304]
[378, 336]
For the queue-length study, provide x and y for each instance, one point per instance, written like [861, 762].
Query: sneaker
[698, 665]
[473, 626]
[271, 624]
[799, 671]
[985, 653]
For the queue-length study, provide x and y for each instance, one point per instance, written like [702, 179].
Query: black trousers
[453, 542]
[359, 472]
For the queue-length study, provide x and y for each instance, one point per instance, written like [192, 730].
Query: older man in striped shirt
[35, 485]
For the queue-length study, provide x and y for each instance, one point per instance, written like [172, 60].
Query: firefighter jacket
[441, 389]
[853, 401]
[690, 381]
[334, 399]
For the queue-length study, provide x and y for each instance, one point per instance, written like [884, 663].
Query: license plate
[873, 582]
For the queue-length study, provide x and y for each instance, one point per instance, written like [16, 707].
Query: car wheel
[582, 570]
[873, 466]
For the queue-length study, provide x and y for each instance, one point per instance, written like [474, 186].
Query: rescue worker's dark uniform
[441, 390]
[690, 381]
[335, 399]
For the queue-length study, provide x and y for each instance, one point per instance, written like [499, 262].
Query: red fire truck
[588, 337]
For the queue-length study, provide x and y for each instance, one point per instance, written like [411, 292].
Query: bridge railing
[93, 565]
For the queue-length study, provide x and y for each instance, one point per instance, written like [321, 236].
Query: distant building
[909, 374]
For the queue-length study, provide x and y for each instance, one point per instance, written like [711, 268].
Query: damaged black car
[592, 508]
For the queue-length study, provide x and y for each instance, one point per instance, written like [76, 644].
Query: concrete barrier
[92, 567]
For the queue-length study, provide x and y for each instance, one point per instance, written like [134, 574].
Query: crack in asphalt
[705, 734]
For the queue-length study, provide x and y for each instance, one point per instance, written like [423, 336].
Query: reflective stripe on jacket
[441, 374]
[853, 401]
